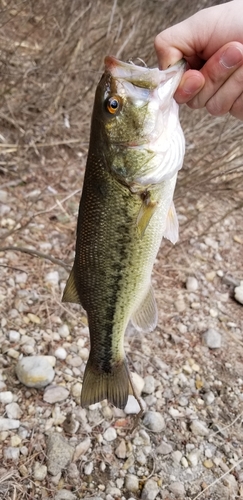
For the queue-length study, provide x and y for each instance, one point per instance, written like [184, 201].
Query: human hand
[212, 43]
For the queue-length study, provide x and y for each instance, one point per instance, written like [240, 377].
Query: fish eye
[113, 104]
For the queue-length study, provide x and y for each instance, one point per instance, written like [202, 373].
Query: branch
[36, 253]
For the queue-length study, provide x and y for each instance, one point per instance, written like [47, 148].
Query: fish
[136, 149]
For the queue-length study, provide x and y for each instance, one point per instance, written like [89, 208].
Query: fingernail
[191, 86]
[231, 57]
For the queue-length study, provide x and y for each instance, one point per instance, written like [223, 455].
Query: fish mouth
[144, 77]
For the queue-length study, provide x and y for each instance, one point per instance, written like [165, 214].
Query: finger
[217, 70]
[237, 108]
[226, 98]
[191, 83]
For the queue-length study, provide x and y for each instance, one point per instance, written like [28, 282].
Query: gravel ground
[189, 372]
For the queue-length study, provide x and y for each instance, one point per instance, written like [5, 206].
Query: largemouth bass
[136, 149]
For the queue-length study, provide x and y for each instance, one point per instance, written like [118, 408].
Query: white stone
[7, 424]
[13, 336]
[13, 410]
[199, 428]
[150, 490]
[76, 390]
[149, 384]
[81, 448]
[3, 196]
[88, 468]
[138, 383]
[11, 453]
[209, 398]
[21, 278]
[52, 278]
[35, 371]
[60, 353]
[176, 456]
[132, 407]
[132, 483]
[177, 488]
[64, 331]
[164, 448]
[191, 284]
[40, 471]
[212, 338]
[6, 397]
[110, 434]
[121, 449]
[193, 457]
[239, 293]
[154, 421]
[55, 394]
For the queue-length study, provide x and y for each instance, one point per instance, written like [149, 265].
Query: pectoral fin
[70, 293]
[146, 317]
[146, 211]
[172, 225]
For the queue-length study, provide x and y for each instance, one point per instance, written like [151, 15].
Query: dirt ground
[51, 60]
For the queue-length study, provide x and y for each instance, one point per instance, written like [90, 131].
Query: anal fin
[70, 293]
[146, 317]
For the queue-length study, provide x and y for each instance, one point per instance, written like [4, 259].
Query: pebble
[132, 407]
[180, 305]
[193, 457]
[60, 353]
[191, 284]
[15, 440]
[52, 278]
[64, 331]
[121, 449]
[76, 390]
[110, 434]
[6, 397]
[65, 495]
[13, 336]
[3, 196]
[131, 483]
[55, 394]
[199, 428]
[154, 421]
[176, 456]
[7, 424]
[81, 448]
[35, 371]
[238, 292]
[138, 383]
[164, 448]
[208, 398]
[149, 385]
[70, 424]
[88, 468]
[150, 490]
[177, 489]
[40, 471]
[11, 453]
[59, 453]
[212, 338]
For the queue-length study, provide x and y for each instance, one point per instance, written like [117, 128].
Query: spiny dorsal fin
[70, 293]
[172, 225]
[146, 317]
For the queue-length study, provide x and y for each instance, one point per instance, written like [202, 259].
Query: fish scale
[120, 226]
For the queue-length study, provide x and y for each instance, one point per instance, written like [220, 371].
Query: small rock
[70, 425]
[180, 305]
[63, 331]
[191, 284]
[3, 196]
[65, 495]
[52, 278]
[81, 448]
[208, 463]
[209, 398]
[149, 384]
[177, 488]
[59, 453]
[132, 407]
[7, 424]
[13, 336]
[11, 453]
[193, 457]
[13, 410]
[164, 448]
[199, 428]
[138, 383]
[154, 421]
[110, 434]
[76, 390]
[55, 394]
[150, 490]
[6, 397]
[60, 353]
[88, 468]
[35, 371]
[212, 338]
[238, 292]
[121, 450]
[210, 242]
[40, 471]
[176, 456]
[132, 483]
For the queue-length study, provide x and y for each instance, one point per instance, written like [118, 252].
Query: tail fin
[98, 385]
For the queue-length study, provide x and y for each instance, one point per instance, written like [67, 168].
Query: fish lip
[143, 76]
